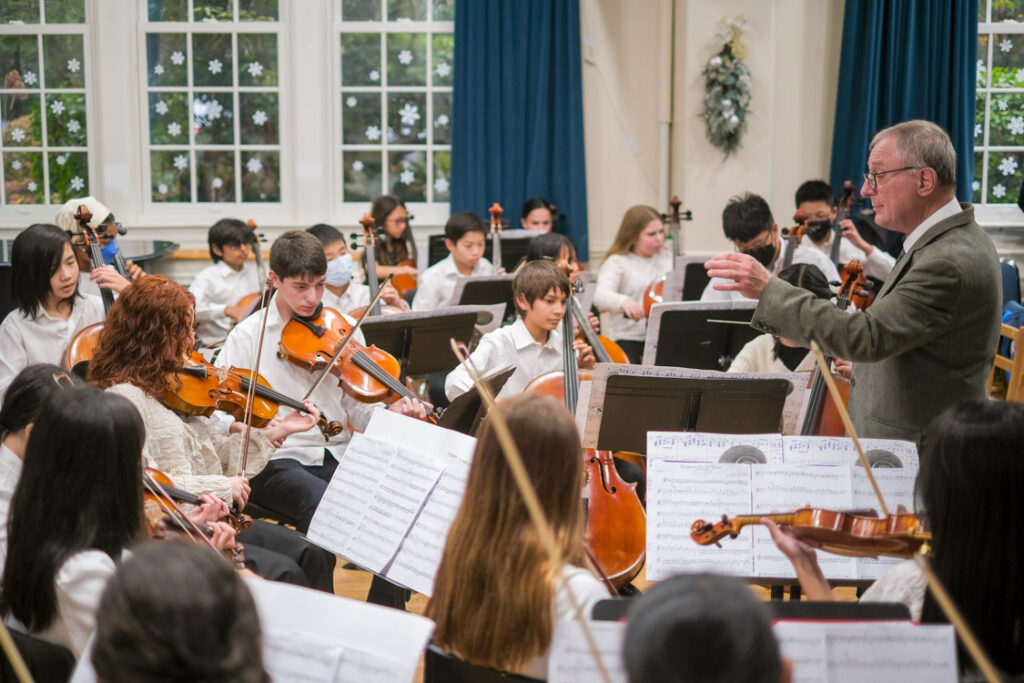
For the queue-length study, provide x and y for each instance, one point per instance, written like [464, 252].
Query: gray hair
[924, 144]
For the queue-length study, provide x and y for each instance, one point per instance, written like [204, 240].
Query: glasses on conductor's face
[872, 178]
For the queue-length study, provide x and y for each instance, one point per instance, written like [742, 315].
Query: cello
[794, 236]
[496, 212]
[249, 302]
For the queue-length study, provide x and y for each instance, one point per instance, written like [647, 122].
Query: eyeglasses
[872, 178]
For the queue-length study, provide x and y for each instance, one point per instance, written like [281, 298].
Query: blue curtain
[517, 115]
[905, 59]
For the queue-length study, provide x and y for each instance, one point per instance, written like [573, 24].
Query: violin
[794, 236]
[203, 388]
[367, 373]
[84, 216]
[81, 349]
[839, 532]
[842, 213]
[165, 486]
[496, 211]
[655, 292]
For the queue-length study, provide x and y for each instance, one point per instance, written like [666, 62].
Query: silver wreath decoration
[727, 89]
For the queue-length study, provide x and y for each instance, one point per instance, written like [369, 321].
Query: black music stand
[725, 405]
[488, 289]
[689, 336]
[467, 410]
[421, 340]
[617, 609]
[513, 248]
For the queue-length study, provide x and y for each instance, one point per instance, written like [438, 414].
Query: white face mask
[339, 270]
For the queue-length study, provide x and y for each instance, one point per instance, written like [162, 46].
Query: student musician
[207, 634]
[816, 200]
[970, 480]
[340, 292]
[464, 237]
[51, 310]
[533, 343]
[498, 601]
[220, 287]
[748, 223]
[296, 476]
[702, 628]
[537, 215]
[396, 251]
[147, 335]
[106, 228]
[635, 259]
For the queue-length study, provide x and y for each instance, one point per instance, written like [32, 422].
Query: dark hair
[35, 256]
[536, 278]
[80, 489]
[382, 207]
[970, 481]
[711, 627]
[460, 224]
[154, 624]
[548, 246]
[745, 217]
[297, 253]
[28, 391]
[807, 276]
[327, 234]
[229, 232]
[815, 191]
[536, 203]
[391, 251]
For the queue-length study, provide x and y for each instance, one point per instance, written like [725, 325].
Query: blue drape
[517, 115]
[905, 59]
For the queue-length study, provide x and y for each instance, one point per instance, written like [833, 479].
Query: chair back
[1010, 361]
[1011, 280]
[441, 667]
[46, 661]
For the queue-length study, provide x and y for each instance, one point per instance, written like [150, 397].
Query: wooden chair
[441, 667]
[46, 661]
[1013, 365]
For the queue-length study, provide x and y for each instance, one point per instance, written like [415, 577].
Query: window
[396, 59]
[999, 112]
[43, 102]
[212, 97]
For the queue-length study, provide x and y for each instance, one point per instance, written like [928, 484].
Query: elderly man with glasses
[929, 339]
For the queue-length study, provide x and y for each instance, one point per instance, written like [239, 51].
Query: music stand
[487, 289]
[467, 410]
[421, 340]
[513, 247]
[698, 335]
[616, 609]
[727, 405]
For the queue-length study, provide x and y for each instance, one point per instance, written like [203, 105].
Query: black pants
[292, 489]
[633, 349]
[282, 554]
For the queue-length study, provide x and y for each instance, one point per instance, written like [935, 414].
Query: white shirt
[355, 296]
[43, 339]
[10, 472]
[216, 287]
[437, 284]
[88, 287]
[757, 355]
[904, 583]
[802, 254]
[622, 277]
[512, 345]
[878, 265]
[947, 210]
[294, 381]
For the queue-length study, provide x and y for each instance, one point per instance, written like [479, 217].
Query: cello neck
[571, 380]
[600, 353]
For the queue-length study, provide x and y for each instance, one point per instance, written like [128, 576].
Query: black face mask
[818, 230]
[764, 254]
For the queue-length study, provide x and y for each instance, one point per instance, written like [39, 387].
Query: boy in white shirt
[464, 236]
[748, 223]
[220, 287]
[341, 293]
[816, 200]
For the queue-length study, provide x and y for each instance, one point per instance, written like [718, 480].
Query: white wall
[793, 55]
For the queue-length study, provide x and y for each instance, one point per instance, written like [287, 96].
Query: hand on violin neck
[108, 278]
[280, 429]
[234, 312]
[135, 271]
[211, 509]
[222, 535]
[744, 274]
[407, 406]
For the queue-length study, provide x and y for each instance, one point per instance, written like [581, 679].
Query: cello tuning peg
[834, 283]
[717, 544]
[686, 215]
[868, 285]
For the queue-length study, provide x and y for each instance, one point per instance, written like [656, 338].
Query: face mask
[109, 252]
[339, 270]
[818, 230]
[764, 254]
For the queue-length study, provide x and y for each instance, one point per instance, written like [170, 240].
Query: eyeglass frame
[872, 178]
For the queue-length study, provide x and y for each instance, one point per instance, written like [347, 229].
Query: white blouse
[622, 277]
[10, 472]
[903, 583]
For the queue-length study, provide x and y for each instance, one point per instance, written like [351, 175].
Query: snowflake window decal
[351, 101]
[62, 159]
[374, 75]
[77, 183]
[1008, 166]
[29, 78]
[406, 177]
[254, 165]
[16, 165]
[443, 69]
[441, 121]
[158, 69]
[255, 69]
[373, 133]
[357, 165]
[1016, 125]
[410, 114]
[1002, 104]
[57, 107]
[161, 107]
[162, 188]
[217, 183]
[977, 129]
[998, 191]
[405, 57]
[177, 58]
[17, 134]
[1005, 45]
[174, 129]
[181, 162]
[74, 126]
[32, 187]
[441, 185]
[215, 66]
[976, 185]
[74, 65]
[259, 117]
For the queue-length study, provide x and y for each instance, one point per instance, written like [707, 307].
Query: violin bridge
[222, 375]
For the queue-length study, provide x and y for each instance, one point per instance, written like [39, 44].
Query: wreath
[727, 89]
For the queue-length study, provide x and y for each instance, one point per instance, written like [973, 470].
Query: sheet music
[680, 493]
[839, 450]
[890, 653]
[372, 499]
[803, 643]
[708, 447]
[358, 666]
[571, 660]
[658, 310]
[292, 657]
[897, 486]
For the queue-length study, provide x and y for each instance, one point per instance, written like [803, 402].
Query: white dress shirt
[437, 284]
[878, 265]
[293, 381]
[25, 340]
[10, 472]
[758, 356]
[803, 254]
[947, 210]
[355, 296]
[216, 287]
[622, 277]
[512, 345]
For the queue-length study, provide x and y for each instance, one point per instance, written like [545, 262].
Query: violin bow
[529, 494]
[250, 396]
[14, 657]
[344, 342]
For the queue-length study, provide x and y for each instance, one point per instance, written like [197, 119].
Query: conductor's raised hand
[747, 276]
